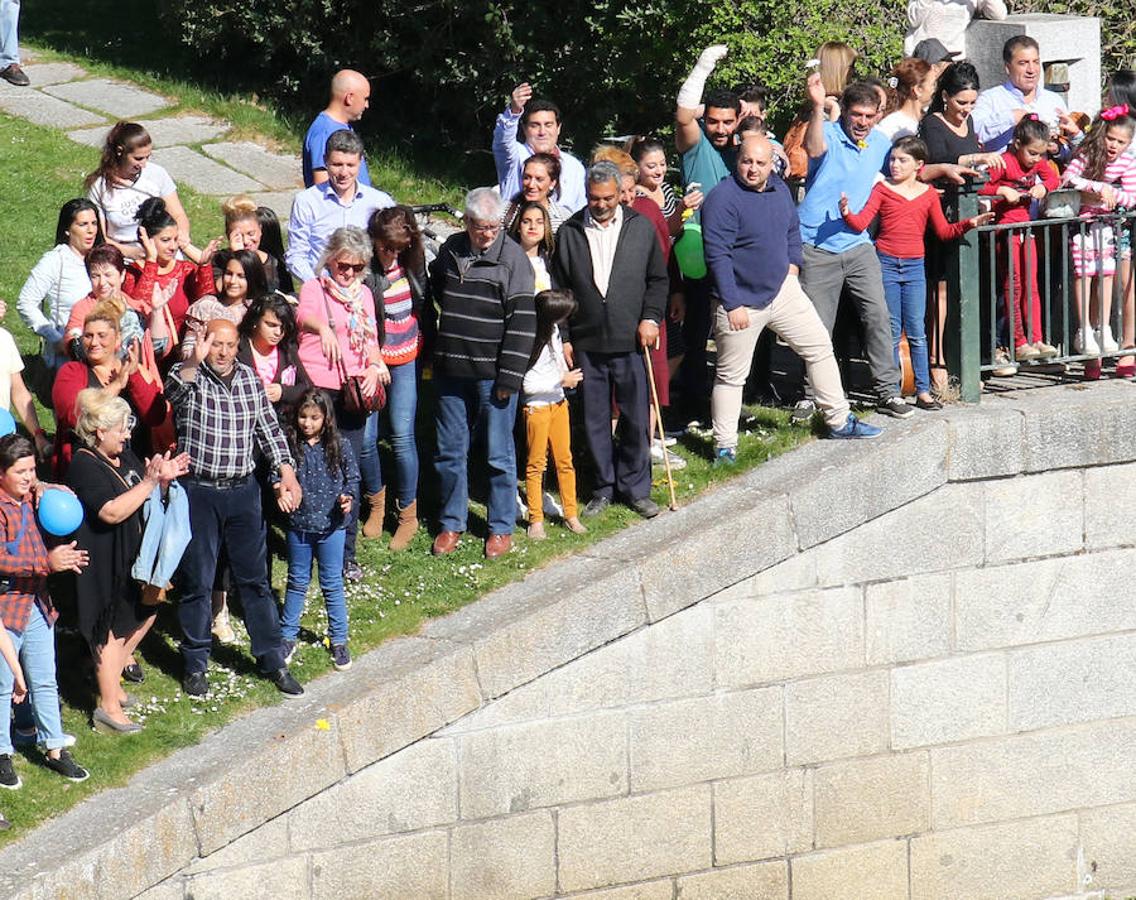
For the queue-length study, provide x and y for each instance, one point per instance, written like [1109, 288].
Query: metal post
[964, 352]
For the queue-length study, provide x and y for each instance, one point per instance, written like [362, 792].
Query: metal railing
[979, 270]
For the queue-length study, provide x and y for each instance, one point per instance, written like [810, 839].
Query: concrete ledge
[258, 768]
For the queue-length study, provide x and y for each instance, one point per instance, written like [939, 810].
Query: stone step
[43, 74]
[168, 132]
[41, 109]
[121, 100]
[280, 202]
[189, 167]
[274, 170]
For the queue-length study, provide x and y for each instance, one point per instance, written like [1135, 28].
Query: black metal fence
[991, 281]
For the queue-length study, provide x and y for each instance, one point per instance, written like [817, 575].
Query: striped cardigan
[487, 321]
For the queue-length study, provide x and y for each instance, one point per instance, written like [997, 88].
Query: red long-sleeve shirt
[1013, 175]
[193, 282]
[903, 221]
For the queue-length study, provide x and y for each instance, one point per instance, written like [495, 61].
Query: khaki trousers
[794, 318]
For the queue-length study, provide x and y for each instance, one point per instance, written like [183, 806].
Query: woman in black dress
[113, 484]
[948, 131]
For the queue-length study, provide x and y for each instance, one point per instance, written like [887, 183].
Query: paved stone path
[192, 148]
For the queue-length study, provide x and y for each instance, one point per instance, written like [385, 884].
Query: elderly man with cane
[609, 256]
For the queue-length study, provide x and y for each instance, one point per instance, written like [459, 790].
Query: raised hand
[521, 95]
[814, 89]
[148, 244]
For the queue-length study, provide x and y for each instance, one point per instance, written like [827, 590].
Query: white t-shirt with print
[120, 203]
[10, 364]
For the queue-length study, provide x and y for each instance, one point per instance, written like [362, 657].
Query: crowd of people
[209, 391]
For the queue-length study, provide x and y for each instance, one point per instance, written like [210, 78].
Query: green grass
[43, 170]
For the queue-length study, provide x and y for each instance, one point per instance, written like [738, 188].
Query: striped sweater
[487, 321]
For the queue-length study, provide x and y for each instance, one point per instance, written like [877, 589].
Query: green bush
[444, 68]
[1118, 27]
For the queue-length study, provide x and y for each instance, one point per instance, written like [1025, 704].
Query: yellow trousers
[547, 426]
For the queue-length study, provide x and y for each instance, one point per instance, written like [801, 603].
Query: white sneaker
[222, 629]
[1004, 367]
[676, 461]
[1107, 341]
[1085, 343]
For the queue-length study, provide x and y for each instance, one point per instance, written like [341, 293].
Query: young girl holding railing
[1106, 177]
[1025, 177]
[906, 206]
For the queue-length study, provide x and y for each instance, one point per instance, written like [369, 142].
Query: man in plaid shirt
[223, 415]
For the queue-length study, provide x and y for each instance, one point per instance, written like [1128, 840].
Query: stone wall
[904, 668]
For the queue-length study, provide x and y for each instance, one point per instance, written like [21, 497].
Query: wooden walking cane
[659, 422]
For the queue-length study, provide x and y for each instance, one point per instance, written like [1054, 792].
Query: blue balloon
[7, 423]
[60, 512]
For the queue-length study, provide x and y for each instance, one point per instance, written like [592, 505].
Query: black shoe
[896, 407]
[13, 74]
[8, 777]
[596, 506]
[288, 648]
[67, 767]
[195, 684]
[352, 571]
[286, 684]
[134, 674]
[340, 657]
[646, 507]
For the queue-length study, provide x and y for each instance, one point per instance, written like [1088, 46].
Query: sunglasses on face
[349, 267]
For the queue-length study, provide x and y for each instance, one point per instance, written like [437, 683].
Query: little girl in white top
[546, 412]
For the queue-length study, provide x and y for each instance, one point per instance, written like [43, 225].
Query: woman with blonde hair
[837, 63]
[112, 483]
[245, 232]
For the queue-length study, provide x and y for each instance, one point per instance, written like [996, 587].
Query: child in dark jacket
[329, 477]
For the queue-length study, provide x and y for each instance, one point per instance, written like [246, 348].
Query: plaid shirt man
[219, 425]
[23, 565]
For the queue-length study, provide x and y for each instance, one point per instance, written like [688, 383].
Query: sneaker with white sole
[8, 777]
[896, 407]
[1026, 352]
[222, 628]
[1108, 343]
[1045, 351]
[802, 412]
[1004, 367]
[676, 461]
[854, 429]
[340, 658]
[67, 767]
[1085, 343]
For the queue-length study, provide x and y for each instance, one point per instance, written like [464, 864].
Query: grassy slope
[399, 592]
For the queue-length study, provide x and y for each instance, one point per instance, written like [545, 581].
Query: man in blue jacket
[752, 240]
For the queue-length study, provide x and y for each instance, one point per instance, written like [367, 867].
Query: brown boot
[373, 526]
[407, 525]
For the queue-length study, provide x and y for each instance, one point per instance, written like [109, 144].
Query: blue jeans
[461, 403]
[9, 32]
[351, 429]
[328, 552]
[36, 649]
[229, 516]
[401, 408]
[905, 290]
[165, 538]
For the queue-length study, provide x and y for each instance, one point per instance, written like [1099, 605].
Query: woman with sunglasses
[339, 340]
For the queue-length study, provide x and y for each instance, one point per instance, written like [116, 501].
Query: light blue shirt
[994, 113]
[844, 168]
[316, 213]
[509, 156]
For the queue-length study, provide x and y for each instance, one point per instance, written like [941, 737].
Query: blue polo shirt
[844, 168]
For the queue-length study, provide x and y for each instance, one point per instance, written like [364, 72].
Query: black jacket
[421, 303]
[637, 288]
[289, 358]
